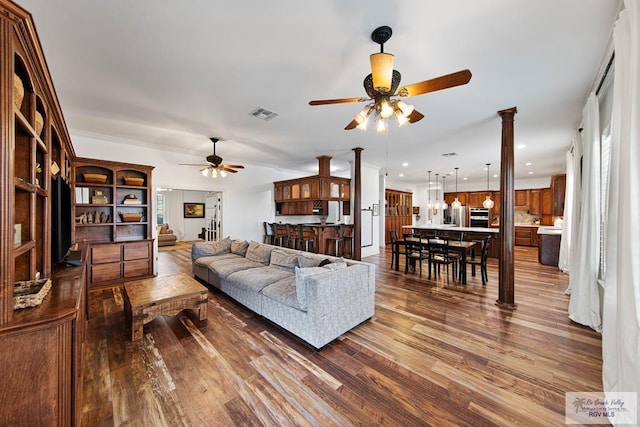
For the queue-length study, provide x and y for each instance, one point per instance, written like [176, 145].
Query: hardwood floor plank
[433, 354]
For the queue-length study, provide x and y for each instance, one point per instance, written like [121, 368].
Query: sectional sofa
[315, 297]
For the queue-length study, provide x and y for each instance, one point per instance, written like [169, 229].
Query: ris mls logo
[601, 408]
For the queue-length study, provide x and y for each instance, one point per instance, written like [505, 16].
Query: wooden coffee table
[146, 299]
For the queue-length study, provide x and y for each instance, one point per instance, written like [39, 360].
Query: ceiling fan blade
[192, 164]
[337, 101]
[439, 83]
[227, 169]
[352, 125]
[233, 166]
[415, 116]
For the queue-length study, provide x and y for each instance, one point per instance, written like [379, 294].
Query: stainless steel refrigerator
[456, 216]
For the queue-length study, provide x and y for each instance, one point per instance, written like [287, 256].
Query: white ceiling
[175, 73]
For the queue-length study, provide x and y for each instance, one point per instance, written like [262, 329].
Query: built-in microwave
[479, 217]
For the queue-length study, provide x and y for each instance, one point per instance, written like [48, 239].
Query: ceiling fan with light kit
[382, 88]
[214, 166]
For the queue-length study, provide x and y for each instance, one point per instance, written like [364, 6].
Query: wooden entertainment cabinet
[41, 348]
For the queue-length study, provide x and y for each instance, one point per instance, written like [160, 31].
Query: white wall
[370, 194]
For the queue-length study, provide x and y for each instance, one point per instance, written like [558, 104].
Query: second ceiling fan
[214, 166]
[382, 85]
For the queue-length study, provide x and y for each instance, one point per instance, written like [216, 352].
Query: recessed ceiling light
[400, 174]
[520, 146]
[465, 178]
[530, 172]
[528, 164]
[495, 175]
[405, 164]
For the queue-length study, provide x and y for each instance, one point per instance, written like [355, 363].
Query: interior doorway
[170, 204]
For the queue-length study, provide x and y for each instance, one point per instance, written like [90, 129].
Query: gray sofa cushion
[206, 249]
[239, 247]
[306, 260]
[259, 253]
[256, 279]
[285, 260]
[284, 292]
[227, 266]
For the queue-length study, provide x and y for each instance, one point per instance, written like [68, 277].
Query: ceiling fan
[382, 85]
[214, 166]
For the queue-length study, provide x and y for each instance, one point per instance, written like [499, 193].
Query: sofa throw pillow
[306, 260]
[301, 287]
[324, 262]
[199, 250]
[283, 259]
[338, 265]
[259, 253]
[239, 247]
[163, 229]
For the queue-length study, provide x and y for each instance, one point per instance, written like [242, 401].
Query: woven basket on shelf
[18, 91]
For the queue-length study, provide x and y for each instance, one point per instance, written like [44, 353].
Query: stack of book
[131, 199]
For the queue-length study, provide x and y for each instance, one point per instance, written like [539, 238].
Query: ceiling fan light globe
[405, 108]
[223, 174]
[381, 71]
[381, 126]
[402, 119]
[386, 110]
[214, 173]
[205, 172]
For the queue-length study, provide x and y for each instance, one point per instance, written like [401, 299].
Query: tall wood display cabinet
[40, 347]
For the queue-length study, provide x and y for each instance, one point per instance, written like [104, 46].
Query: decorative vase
[39, 123]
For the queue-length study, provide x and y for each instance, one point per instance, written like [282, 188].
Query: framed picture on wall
[194, 210]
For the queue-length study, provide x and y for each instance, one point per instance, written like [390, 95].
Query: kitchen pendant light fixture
[488, 203]
[436, 204]
[444, 204]
[429, 204]
[456, 203]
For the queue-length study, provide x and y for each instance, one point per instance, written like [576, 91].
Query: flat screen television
[61, 219]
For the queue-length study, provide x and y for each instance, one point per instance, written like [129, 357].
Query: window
[160, 210]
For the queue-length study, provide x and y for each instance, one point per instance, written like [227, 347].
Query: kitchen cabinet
[398, 208]
[526, 236]
[546, 207]
[476, 198]
[558, 187]
[534, 201]
[521, 199]
[462, 198]
[310, 195]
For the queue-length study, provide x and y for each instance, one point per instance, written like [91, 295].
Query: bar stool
[307, 237]
[279, 234]
[292, 236]
[335, 242]
[268, 233]
[348, 239]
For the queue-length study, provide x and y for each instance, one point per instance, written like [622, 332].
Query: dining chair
[481, 260]
[397, 247]
[415, 252]
[439, 255]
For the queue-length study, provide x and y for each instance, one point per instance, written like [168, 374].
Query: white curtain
[568, 223]
[584, 304]
[621, 309]
[174, 210]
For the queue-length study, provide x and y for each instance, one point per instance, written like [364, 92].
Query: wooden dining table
[460, 246]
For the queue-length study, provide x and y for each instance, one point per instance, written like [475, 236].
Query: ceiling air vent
[449, 154]
[263, 114]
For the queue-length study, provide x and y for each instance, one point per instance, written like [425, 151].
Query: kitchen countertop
[550, 230]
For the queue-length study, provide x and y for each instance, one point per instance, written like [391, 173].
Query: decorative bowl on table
[95, 178]
[129, 180]
[131, 217]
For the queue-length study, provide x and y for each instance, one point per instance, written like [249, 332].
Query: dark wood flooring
[433, 354]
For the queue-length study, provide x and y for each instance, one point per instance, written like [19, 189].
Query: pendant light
[444, 204]
[456, 203]
[436, 204]
[488, 203]
[429, 204]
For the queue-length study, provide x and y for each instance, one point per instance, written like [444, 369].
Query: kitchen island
[549, 245]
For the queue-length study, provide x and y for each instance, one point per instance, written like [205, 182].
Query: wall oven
[479, 217]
